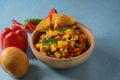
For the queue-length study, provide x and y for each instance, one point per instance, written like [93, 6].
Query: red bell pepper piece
[30, 26]
[28, 30]
[51, 13]
[16, 23]
[14, 36]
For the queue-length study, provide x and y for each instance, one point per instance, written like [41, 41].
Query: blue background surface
[101, 16]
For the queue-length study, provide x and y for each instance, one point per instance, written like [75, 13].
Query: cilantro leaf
[63, 29]
[50, 41]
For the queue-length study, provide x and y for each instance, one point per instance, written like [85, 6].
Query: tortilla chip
[44, 25]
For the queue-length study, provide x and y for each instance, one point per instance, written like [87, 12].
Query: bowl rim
[71, 58]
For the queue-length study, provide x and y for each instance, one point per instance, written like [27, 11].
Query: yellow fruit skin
[14, 61]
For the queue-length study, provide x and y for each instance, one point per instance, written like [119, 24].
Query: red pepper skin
[30, 26]
[28, 30]
[24, 38]
[16, 23]
[14, 36]
[3, 34]
[51, 13]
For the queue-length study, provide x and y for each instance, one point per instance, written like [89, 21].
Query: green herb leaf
[50, 41]
[48, 53]
[63, 29]
[34, 21]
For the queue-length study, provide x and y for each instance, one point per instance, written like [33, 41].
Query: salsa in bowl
[61, 44]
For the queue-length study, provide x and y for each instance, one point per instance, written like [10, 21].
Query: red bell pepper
[51, 13]
[14, 36]
[16, 23]
[30, 26]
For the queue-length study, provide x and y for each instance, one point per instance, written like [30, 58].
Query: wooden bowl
[67, 62]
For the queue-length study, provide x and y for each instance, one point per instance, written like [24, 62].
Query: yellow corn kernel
[43, 53]
[57, 54]
[53, 47]
[62, 44]
[44, 48]
[69, 31]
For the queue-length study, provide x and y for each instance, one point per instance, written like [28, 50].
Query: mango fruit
[14, 61]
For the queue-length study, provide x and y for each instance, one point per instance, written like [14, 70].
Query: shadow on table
[34, 73]
[76, 73]
[29, 53]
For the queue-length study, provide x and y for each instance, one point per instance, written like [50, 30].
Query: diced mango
[62, 44]
[69, 31]
[53, 47]
[57, 54]
[52, 33]
[44, 48]
[66, 36]
[37, 46]
[43, 53]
